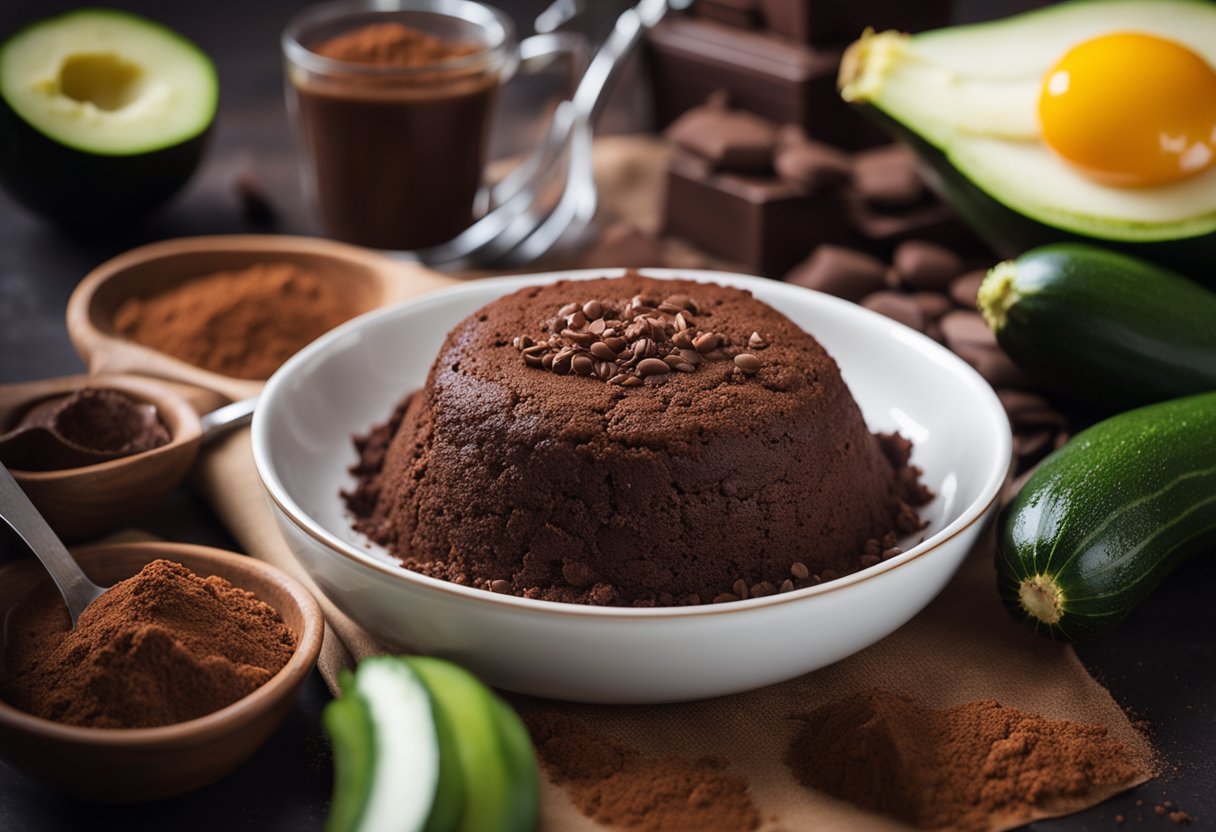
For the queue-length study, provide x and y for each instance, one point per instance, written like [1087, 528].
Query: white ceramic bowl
[352, 377]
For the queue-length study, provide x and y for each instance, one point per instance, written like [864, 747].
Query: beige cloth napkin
[962, 647]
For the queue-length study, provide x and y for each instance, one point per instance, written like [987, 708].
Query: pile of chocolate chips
[931, 289]
[625, 342]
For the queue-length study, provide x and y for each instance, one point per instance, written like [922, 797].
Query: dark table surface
[1160, 665]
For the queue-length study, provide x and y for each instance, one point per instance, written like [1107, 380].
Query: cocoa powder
[242, 323]
[391, 44]
[960, 768]
[616, 785]
[161, 647]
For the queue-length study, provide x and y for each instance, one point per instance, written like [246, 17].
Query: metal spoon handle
[229, 417]
[17, 510]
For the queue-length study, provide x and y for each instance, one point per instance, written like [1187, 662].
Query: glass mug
[394, 156]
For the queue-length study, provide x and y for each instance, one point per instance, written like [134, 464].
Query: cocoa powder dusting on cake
[618, 786]
[638, 442]
[958, 768]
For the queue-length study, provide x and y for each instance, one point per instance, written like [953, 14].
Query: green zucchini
[1106, 517]
[1102, 327]
[389, 772]
[420, 745]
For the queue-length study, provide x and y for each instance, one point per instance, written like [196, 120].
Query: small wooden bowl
[370, 280]
[142, 764]
[83, 501]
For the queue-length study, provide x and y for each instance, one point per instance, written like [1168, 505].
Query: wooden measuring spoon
[370, 280]
[78, 502]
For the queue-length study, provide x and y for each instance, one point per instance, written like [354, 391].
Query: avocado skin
[1010, 233]
[89, 191]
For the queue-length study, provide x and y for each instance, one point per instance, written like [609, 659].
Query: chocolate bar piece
[734, 140]
[821, 23]
[742, 14]
[889, 204]
[787, 82]
[882, 231]
[761, 222]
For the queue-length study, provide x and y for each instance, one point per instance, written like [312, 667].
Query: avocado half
[104, 115]
[965, 98]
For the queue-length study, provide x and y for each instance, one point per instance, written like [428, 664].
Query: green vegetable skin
[1106, 517]
[58, 156]
[492, 747]
[1103, 327]
[463, 759]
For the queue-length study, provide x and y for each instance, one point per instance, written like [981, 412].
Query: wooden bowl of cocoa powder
[125, 765]
[221, 313]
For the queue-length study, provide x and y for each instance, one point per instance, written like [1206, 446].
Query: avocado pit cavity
[103, 79]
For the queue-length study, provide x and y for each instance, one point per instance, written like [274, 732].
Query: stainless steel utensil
[518, 228]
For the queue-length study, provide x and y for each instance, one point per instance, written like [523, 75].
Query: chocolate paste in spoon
[88, 426]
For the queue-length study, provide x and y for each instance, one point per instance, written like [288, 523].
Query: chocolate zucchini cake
[633, 441]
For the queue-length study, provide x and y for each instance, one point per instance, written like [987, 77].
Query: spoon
[518, 230]
[17, 510]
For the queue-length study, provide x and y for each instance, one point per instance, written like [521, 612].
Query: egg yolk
[1131, 109]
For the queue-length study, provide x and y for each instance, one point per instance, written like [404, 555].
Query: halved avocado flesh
[965, 98]
[103, 115]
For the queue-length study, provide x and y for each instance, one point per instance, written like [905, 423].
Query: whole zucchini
[1106, 517]
[1102, 327]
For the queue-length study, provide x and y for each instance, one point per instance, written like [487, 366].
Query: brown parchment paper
[961, 647]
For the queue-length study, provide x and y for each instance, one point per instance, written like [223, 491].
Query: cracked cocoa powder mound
[635, 442]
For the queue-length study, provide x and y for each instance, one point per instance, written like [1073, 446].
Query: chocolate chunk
[622, 244]
[733, 140]
[812, 164]
[1032, 445]
[256, 207]
[926, 266]
[843, 272]
[966, 329]
[819, 21]
[761, 222]
[996, 367]
[932, 304]
[897, 306]
[883, 229]
[764, 73]
[886, 177]
[963, 290]
[741, 14]
[1029, 410]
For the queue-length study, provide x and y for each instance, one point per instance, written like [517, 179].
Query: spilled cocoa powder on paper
[617, 785]
[960, 768]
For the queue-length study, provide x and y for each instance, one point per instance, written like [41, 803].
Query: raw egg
[1131, 109]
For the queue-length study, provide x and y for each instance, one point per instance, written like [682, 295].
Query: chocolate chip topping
[625, 341]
